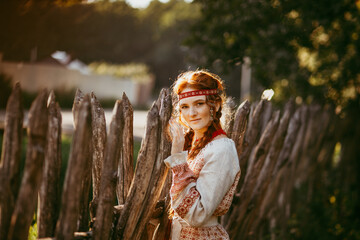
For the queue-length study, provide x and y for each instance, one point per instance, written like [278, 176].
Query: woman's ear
[217, 106]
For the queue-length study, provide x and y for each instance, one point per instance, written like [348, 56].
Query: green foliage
[33, 232]
[135, 71]
[65, 153]
[168, 23]
[329, 215]
[311, 47]
[103, 31]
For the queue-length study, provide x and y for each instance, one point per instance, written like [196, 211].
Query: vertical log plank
[98, 126]
[263, 179]
[28, 194]
[161, 183]
[266, 115]
[228, 113]
[50, 192]
[10, 159]
[79, 96]
[251, 137]
[126, 163]
[293, 156]
[104, 213]
[238, 134]
[72, 191]
[272, 157]
[87, 173]
[239, 128]
[259, 154]
[128, 221]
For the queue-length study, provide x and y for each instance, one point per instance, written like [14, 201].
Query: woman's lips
[195, 120]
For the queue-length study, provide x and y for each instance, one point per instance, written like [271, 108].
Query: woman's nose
[193, 111]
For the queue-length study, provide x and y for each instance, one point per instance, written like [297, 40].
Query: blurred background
[305, 50]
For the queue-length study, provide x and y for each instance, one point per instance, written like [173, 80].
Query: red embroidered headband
[198, 93]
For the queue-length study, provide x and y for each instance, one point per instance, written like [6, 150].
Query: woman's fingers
[172, 129]
[177, 136]
[176, 129]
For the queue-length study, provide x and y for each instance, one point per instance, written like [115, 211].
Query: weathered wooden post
[107, 197]
[251, 137]
[148, 181]
[126, 161]
[72, 191]
[50, 192]
[274, 151]
[165, 105]
[228, 115]
[33, 171]
[256, 163]
[284, 170]
[83, 225]
[237, 134]
[133, 207]
[98, 126]
[262, 180]
[10, 159]
[239, 127]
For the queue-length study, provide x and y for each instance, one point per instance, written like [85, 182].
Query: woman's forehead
[190, 100]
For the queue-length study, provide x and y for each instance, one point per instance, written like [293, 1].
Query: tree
[300, 48]
[99, 31]
[169, 23]
[106, 31]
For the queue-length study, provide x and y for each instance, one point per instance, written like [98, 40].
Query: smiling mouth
[194, 120]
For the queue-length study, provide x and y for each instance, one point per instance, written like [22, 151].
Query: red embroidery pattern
[204, 233]
[227, 200]
[198, 93]
[182, 176]
[187, 202]
[196, 165]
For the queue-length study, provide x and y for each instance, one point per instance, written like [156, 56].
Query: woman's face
[195, 112]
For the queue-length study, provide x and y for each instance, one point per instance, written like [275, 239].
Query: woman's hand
[177, 136]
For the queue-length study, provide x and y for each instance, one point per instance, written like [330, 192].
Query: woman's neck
[196, 137]
[198, 134]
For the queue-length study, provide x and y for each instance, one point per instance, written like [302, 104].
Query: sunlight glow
[145, 3]
[267, 94]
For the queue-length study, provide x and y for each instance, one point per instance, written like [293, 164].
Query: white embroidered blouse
[203, 189]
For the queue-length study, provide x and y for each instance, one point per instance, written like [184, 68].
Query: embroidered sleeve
[181, 173]
[187, 202]
[182, 176]
[200, 198]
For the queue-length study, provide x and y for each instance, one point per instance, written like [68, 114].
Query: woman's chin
[199, 128]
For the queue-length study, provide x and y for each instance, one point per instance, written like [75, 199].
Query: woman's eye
[200, 103]
[183, 107]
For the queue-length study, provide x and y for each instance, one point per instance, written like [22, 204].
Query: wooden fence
[278, 151]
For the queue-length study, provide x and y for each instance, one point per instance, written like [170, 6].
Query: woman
[203, 161]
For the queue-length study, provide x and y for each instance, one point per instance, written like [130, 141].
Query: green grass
[33, 231]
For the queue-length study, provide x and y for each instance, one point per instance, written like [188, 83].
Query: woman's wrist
[176, 159]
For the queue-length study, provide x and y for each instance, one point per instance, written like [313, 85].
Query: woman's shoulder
[221, 149]
[221, 141]
[220, 144]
